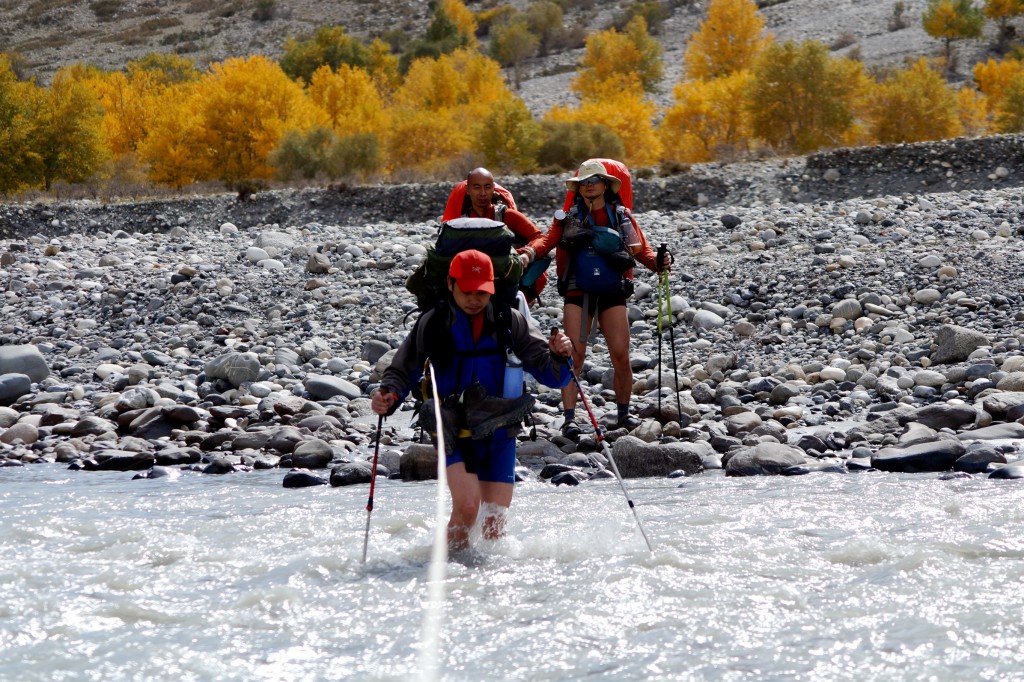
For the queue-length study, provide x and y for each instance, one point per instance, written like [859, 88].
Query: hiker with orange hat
[467, 349]
[598, 242]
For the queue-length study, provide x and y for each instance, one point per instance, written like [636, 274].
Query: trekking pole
[663, 282]
[661, 340]
[604, 446]
[373, 480]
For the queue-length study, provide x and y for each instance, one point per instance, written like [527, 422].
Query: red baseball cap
[472, 271]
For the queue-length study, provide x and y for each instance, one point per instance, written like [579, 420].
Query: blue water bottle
[513, 376]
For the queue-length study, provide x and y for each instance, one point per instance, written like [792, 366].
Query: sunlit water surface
[821, 577]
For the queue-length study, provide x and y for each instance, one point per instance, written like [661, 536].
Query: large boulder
[945, 415]
[764, 459]
[418, 463]
[236, 368]
[352, 473]
[956, 343]
[23, 359]
[638, 459]
[938, 455]
[324, 387]
[1010, 430]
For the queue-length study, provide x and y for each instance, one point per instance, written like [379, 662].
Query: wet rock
[924, 457]
[323, 387]
[763, 459]
[13, 386]
[419, 463]
[637, 459]
[302, 478]
[354, 473]
[1008, 473]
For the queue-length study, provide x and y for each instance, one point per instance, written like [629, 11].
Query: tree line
[336, 108]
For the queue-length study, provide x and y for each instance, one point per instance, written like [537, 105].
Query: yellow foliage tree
[128, 108]
[951, 20]
[171, 151]
[704, 123]
[463, 18]
[383, 68]
[800, 98]
[426, 141]
[913, 105]
[1002, 11]
[65, 136]
[621, 106]
[509, 138]
[612, 55]
[458, 90]
[994, 77]
[1009, 115]
[727, 41]
[245, 105]
[973, 111]
[349, 98]
[16, 158]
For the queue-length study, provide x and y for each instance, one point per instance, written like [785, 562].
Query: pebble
[210, 342]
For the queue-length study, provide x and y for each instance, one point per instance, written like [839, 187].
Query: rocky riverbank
[813, 330]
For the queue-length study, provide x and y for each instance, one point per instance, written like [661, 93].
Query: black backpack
[429, 282]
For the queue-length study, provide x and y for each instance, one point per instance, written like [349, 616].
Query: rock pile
[841, 335]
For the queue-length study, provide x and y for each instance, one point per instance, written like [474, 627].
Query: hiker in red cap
[598, 242]
[467, 349]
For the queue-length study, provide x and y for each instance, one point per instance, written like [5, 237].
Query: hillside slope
[108, 33]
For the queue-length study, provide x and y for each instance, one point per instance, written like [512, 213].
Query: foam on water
[822, 577]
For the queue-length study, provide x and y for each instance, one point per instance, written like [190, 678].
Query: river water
[864, 576]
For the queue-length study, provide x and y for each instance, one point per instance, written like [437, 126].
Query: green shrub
[566, 144]
[357, 154]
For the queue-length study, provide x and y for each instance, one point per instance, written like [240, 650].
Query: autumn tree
[913, 105]
[952, 20]
[164, 68]
[512, 43]
[704, 123]
[619, 104]
[973, 112]
[628, 56]
[994, 77]
[16, 159]
[65, 135]
[330, 46]
[383, 68]
[1009, 114]
[727, 41]
[509, 138]
[442, 37]
[244, 107]
[349, 98]
[799, 98]
[171, 151]
[463, 19]
[545, 20]
[440, 108]
[1002, 11]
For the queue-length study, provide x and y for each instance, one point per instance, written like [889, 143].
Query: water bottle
[513, 376]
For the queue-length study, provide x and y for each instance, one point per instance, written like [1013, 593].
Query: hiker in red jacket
[478, 196]
[598, 242]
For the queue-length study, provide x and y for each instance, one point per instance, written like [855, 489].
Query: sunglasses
[593, 180]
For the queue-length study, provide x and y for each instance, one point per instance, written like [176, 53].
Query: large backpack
[429, 282]
[459, 204]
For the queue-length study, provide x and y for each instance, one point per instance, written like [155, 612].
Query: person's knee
[465, 511]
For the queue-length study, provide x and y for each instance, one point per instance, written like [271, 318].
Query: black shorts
[596, 303]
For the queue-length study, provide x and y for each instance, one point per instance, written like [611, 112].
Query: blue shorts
[491, 459]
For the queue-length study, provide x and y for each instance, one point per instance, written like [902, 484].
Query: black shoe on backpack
[450, 423]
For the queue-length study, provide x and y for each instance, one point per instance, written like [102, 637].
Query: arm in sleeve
[522, 226]
[532, 348]
[407, 366]
[542, 245]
